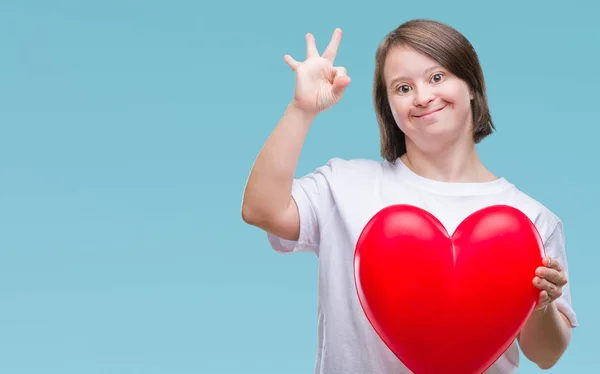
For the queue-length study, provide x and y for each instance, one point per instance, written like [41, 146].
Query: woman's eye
[437, 78]
[404, 89]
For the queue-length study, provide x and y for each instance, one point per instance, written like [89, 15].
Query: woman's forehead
[407, 62]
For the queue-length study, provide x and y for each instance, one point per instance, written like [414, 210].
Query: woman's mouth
[430, 113]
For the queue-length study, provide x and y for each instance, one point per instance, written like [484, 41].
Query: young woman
[431, 105]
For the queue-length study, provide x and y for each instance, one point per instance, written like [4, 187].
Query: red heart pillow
[448, 304]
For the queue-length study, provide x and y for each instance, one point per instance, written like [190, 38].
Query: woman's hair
[450, 49]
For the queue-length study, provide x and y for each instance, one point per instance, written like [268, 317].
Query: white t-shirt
[335, 203]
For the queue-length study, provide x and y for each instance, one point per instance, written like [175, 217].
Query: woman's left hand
[550, 279]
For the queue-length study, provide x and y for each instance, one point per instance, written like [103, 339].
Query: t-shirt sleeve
[555, 248]
[312, 194]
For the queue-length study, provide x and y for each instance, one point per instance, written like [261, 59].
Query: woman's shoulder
[350, 173]
[538, 212]
[358, 166]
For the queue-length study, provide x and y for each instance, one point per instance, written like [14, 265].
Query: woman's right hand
[319, 84]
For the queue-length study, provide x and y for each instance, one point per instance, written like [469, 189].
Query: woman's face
[431, 106]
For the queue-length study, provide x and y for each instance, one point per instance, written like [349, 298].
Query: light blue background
[128, 129]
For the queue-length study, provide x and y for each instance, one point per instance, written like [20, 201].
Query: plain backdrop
[127, 131]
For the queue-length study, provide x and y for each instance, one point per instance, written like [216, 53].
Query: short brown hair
[449, 48]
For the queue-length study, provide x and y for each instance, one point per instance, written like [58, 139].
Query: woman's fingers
[332, 48]
[551, 289]
[311, 46]
[551, 263]
[291, 62]
[312, 51]
[340, 81]
[340, 71]
[552, 271]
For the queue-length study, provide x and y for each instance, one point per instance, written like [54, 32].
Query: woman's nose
[423, 96]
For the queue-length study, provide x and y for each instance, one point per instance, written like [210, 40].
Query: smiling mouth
[430, 113]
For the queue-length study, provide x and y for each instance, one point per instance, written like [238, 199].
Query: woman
[431, 105]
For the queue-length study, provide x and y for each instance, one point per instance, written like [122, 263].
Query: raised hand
[319, 84]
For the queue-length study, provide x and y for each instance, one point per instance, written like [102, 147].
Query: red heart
[447, 304]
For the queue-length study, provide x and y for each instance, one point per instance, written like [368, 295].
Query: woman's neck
[459, 164]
